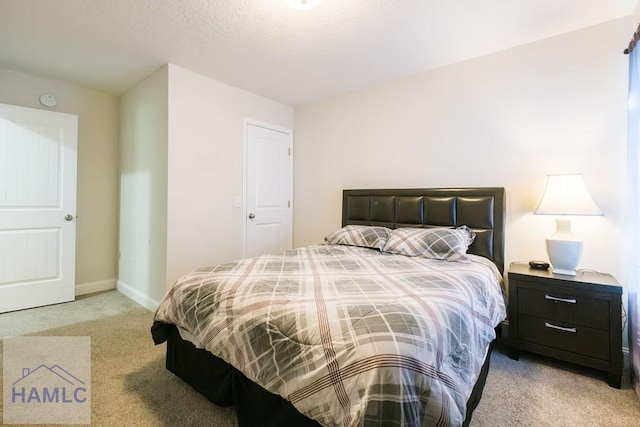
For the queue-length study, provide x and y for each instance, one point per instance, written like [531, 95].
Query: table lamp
[565, 194]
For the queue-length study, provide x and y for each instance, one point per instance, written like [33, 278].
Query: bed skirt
[224, 385]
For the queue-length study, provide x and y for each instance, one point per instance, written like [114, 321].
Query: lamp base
[564, 255]
[564, 272]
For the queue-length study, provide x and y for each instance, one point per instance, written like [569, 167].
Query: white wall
[143, 189]
[505, 119]
[206, 131]
[181, 164]
[97, 193]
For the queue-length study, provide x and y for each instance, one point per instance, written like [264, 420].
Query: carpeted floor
[131, 387]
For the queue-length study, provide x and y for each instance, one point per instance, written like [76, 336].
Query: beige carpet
[131, 387]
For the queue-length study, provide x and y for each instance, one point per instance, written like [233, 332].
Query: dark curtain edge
[633, 41]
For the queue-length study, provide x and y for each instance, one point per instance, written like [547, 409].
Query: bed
[344, 333]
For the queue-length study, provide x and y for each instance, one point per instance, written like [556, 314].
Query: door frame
[245, 153]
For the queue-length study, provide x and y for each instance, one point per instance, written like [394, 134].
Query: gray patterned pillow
[439, 243]
[360, 235]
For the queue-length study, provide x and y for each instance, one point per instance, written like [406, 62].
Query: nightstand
[572, 318]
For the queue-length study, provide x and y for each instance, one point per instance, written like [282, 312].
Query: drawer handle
[549, 325]
[570, 301]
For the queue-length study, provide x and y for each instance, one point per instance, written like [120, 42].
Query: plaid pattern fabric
[438, 243]
[349, 335]
[360, 235]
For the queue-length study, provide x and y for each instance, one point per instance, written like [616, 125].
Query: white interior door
[269, 190]
[37, 207]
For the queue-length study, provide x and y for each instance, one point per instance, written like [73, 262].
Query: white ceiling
[294, 57]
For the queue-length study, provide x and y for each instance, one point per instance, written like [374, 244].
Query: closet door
[269, 190]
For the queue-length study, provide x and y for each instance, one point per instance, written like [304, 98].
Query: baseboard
[137, 296]
[92, 287]
[625, 357]
[505, 329]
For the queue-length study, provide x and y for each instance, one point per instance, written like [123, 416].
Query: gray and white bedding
[351, 336]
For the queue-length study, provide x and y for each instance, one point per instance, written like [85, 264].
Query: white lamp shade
[302, 4]
[566, 194]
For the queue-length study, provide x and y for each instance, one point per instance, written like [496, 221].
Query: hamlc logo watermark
[47, 380]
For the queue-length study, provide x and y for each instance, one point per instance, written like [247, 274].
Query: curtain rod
[632, 43]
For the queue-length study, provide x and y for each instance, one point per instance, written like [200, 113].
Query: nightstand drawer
[564, 307]
[564, 336]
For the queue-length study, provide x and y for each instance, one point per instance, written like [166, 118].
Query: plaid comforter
[350, 336]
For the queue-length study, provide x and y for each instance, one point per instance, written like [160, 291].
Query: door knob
[68, 217]
[251, 216]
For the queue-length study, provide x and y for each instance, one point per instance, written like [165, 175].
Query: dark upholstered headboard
[481, 209]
